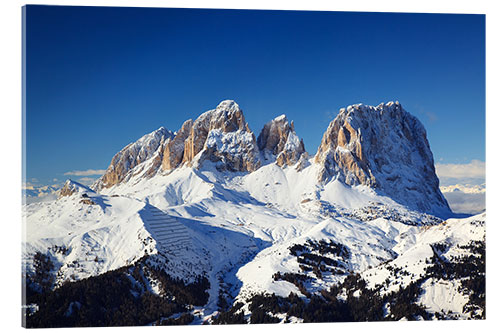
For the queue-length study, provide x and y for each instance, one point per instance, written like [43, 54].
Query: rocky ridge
[221, 136]
[382, 147]
[148, 147]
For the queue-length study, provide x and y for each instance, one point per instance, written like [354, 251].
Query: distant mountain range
[464, 188]
[466, 198]
[37, 193]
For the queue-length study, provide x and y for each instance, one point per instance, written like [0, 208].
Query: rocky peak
[383, 147]
[226, 117]
[149, 146]
[71, 187]
[222, 136]
[279, 139]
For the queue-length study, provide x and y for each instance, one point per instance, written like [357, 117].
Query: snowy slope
[447, 241]
[236, 228]
[88, 234]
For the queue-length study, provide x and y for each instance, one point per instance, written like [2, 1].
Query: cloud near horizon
[86, 180]
[82, 173]
[474, 169]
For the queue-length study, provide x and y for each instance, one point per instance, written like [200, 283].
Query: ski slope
[170, 235]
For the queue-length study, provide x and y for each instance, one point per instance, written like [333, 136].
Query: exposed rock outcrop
[223, 137]
[278, 138]
[173, 153]
[150, 146]
[383, 147]
[67, 190]
[71, 187]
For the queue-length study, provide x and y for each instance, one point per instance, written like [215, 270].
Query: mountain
[71, 187]
[386, 148]
[383, 148]
[211, 225]
[220, 136]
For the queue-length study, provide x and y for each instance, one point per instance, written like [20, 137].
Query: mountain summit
[278, 138]
[223, 137]
[383, 147]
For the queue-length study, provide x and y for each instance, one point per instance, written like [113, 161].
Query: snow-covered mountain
[386, 148]
[261, 217]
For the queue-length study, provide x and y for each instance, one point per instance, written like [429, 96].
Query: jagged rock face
[222, 136]
[150, 146]
[278, 138]
[383, 147]
[233, 151]
[173, 153]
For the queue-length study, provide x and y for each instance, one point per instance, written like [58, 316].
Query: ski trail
[170, 235]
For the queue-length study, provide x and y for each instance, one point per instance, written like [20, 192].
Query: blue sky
[100, 78]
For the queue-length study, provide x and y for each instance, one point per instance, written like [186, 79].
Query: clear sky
[99, 78]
